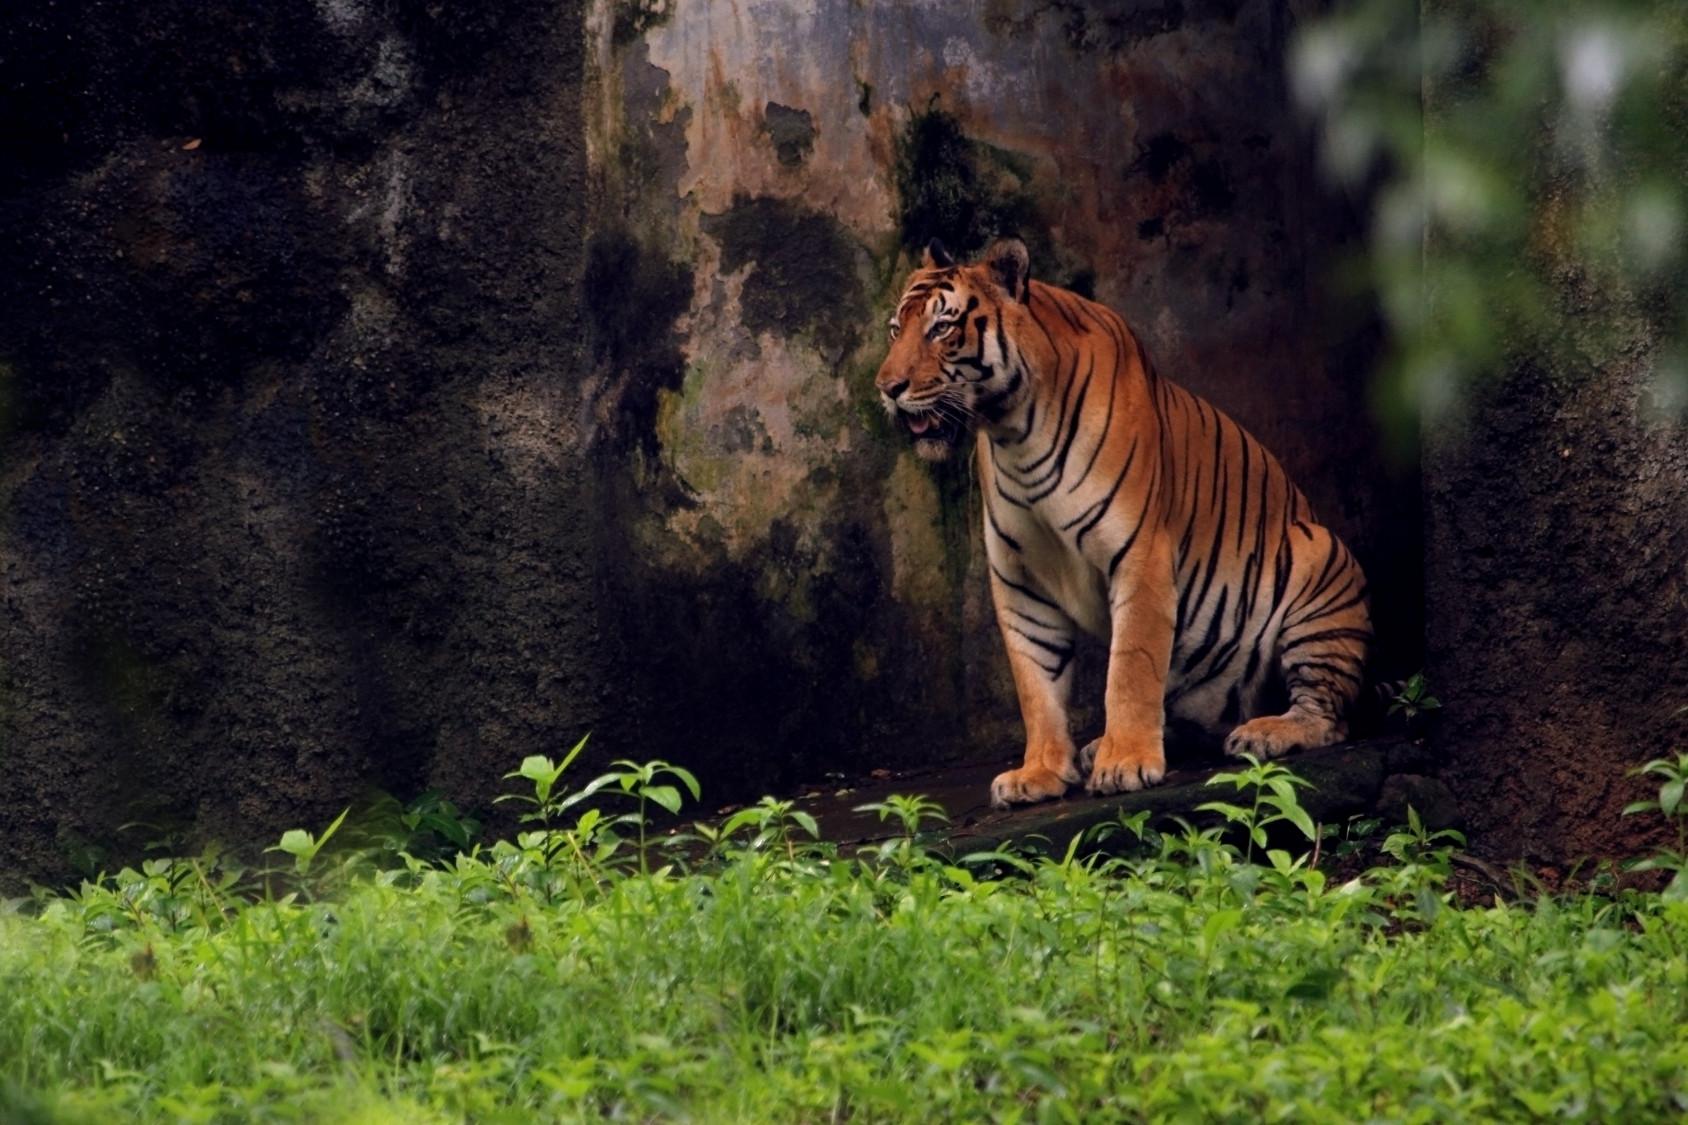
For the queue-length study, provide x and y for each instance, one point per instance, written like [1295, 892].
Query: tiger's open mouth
[934, 436]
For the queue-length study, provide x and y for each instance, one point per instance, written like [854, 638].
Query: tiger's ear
[1010, 266]
[936, 257]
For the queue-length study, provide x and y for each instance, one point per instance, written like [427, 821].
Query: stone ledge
[1348, 779]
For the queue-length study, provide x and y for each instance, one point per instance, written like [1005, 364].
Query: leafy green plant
[917, 817]
[430, 818]
[1424, 859]
[1417, 844]
[647, 783]
[644, 782]
[162, 896]
[303, 846]
[1673, 782]
[912, 812]
[774, 823]
[1414, 699]
[1340, 841]
[1274, 802]
[548, 800]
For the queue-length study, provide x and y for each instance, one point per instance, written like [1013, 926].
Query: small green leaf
[536, 767]
[1228, 811]
[569, 758]
[665, 795]
[1670, 795]
[587, 790]
[1298, 816]
[1219, 922]
[690, 781]
[296, 842]
[333, 828]
[743, 817]
[540, 770]
[1677, 889]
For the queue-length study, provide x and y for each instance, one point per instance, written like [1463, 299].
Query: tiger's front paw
[1124, 763]
[1028, 784]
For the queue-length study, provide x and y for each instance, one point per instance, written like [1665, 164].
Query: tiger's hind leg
[1321, 654]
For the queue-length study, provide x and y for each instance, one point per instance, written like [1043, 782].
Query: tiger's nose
[895, 390]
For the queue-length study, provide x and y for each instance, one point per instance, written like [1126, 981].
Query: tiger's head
[950, 367]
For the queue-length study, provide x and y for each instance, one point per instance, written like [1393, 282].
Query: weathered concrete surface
[391, 391]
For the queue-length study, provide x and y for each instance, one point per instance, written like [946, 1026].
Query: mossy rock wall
[391, 391]
[792, 158]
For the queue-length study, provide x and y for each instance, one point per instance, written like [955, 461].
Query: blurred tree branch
[1529, 164]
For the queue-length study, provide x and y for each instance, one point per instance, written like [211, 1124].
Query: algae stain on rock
[633, 18]
[965, 192]
[633, 298]
[748, 436]
[790, 131]
[921, 571]
[1097, 28]
[806, 271]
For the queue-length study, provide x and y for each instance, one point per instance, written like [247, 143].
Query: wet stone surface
[1350, 779]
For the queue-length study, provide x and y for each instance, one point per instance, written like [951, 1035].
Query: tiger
[1121, 504]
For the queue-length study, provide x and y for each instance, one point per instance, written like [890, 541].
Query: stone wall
[289, 498]
[391, 391]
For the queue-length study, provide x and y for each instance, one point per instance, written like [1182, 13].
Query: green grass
[566, 975]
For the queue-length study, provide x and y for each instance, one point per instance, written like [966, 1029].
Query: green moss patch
[964, 191]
